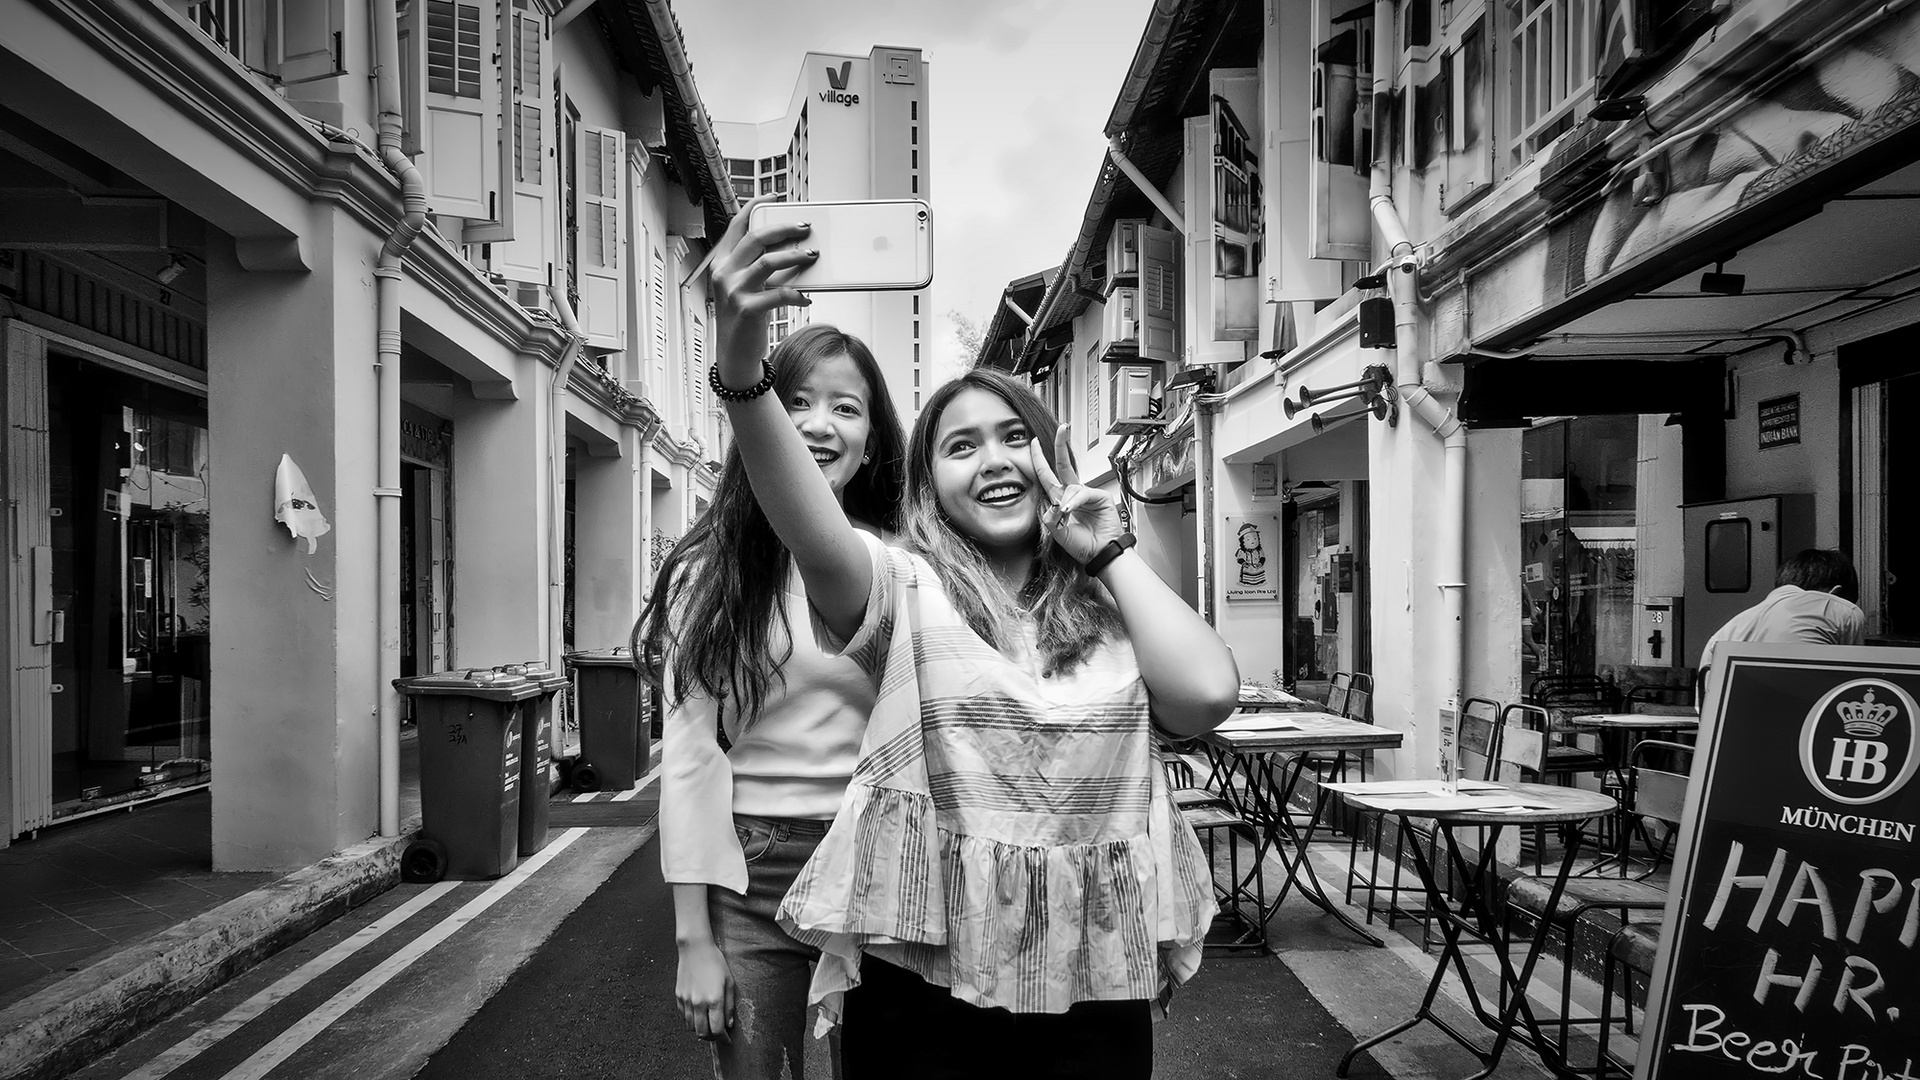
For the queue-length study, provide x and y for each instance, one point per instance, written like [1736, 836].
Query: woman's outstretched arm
[1192, 680]
[832, 559]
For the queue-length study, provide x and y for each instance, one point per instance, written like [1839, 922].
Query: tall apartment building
[856, 127]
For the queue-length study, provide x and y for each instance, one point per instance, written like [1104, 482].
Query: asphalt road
[596, 1000]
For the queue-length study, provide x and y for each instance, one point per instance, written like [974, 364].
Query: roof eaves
[691, 138]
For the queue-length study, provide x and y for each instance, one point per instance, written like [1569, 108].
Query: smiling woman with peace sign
[1008, 889]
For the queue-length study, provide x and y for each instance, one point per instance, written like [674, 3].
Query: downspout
[1415, 380]
[387, 275]
[557, 480]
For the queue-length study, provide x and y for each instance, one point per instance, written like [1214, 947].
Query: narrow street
[566, 967]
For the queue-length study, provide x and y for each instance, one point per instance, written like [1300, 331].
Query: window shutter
[697, 356]
[599, 189]
[459, 148]
[526, 139]
[1337, 198]
[657, 303]
[1091, 371]
[306, 39]
[1159, 294]
[502, 112]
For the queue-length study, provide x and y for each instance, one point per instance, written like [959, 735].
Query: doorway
[127, 502]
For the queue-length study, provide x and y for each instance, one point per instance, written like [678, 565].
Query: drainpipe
[387, 274]
[557, 479]
[1416, 381]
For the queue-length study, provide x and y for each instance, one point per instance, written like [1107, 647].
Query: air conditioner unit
[1129, 392]
[1120, 327]
[1123, 253]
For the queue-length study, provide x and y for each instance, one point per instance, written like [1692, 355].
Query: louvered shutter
[458, 151]
[528, 139]
[1159, 328]
[700, 421]
[598, 189]
[501, 114]
[657, 303]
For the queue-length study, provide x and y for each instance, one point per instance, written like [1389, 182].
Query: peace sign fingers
[1050, 484]
[1063, 455]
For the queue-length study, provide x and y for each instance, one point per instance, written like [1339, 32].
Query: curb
[83, 1016]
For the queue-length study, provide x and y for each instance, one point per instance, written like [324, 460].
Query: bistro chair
[1477, 748]
[1650, 792]
[1209, 813]
[1356, 703]
[1557, 697]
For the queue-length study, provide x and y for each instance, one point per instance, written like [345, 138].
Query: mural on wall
[1860, 93]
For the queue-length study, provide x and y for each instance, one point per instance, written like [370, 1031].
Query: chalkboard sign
[1790, 942]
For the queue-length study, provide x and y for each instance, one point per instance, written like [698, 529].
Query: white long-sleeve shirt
[792, 761]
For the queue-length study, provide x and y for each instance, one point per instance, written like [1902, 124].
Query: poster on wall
[1253, 560]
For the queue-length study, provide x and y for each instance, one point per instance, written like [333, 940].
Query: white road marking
[200, 1041]
[638, 788]
[313, 1023]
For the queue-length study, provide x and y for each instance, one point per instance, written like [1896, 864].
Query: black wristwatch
[1109, 553]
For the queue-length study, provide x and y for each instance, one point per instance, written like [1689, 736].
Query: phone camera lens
[923, 215]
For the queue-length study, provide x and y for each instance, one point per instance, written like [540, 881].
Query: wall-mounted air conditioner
[1120, 326]
[1129, 392]
[1123, 254]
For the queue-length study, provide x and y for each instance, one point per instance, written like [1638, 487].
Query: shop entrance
[426, 542]
[127, 506]
[1882, 383]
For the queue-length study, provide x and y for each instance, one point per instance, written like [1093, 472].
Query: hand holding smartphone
[871, 246]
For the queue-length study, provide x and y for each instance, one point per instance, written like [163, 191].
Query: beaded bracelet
[765, 384]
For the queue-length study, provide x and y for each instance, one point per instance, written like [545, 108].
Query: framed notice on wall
[1252, 563]
[1789, 942]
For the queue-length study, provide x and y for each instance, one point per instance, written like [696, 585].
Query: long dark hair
[714, 600]
[1071, 613]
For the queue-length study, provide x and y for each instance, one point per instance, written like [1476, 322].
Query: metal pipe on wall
[1412, 376]
[387, 276]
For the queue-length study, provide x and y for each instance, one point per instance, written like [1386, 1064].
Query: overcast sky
[1019, 92]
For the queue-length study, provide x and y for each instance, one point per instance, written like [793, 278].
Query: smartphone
[864, 246]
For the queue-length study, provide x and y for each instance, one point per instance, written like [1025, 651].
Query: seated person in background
[1813, 600]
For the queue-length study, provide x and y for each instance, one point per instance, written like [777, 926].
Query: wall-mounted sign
[1266, 479]
[1789, 942]
[1252, 564]
[1779, 421]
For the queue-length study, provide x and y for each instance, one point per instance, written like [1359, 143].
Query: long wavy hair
[1071, 613]
[715, 598]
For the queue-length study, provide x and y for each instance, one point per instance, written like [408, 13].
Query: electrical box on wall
[1656, 632]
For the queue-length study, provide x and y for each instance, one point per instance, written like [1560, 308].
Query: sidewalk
[108, 924]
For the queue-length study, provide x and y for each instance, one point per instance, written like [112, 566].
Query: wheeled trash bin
[536, 752]
[470, 724]
[613, 742]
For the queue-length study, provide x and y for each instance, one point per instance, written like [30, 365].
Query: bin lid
[470, 682]
[538, 673]
[618, 656]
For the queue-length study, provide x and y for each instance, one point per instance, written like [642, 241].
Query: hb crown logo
[1857, 744]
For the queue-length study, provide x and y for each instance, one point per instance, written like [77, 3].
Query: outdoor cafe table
[1473, 914]
[1619, 734]
[1257, 761]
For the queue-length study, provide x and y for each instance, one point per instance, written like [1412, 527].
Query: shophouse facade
[437, 256]
[856, 128]
[1535, 334]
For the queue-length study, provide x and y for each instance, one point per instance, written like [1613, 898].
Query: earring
[864, 458]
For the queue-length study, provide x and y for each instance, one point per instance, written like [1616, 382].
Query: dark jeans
[770, 970]
[897, 1025]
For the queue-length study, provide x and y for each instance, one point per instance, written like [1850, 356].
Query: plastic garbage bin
[536, 757]
[469, 773]
[613, 742]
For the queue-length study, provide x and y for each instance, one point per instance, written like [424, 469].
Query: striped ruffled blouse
[1007, 833]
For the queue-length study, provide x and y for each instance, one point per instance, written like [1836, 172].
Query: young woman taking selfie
[1007, 888]
[766, 713]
